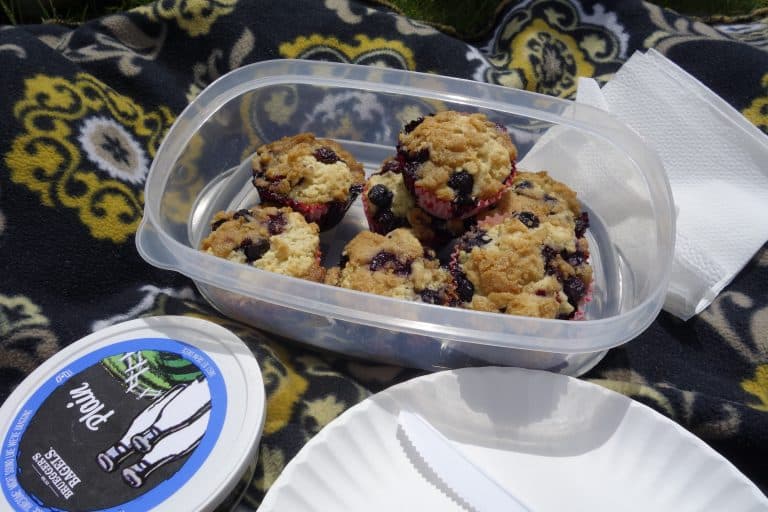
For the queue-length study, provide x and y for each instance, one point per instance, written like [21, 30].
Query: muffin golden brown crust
[528, 255]
[515, 240]
[316, 177]
[511, 268]
[270, 238]
[456, 163]
[394, 265]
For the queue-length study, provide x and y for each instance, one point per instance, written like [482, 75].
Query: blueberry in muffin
[314, 176]
[455, 164]
[389, 205]
[534, 197]
[271, 238]
[393, 265]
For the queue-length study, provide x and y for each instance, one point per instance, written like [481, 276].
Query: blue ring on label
[164, 490]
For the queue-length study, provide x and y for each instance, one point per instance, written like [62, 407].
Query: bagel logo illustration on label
[120, 429]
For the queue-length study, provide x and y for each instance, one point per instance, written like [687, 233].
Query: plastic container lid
[160, 413]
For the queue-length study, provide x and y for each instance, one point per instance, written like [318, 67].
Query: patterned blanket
[85, 109]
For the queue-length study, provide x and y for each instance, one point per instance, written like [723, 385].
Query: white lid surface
[176, 404]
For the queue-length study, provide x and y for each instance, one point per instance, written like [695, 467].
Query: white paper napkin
[717, 164]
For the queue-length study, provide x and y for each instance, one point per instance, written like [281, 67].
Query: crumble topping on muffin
[270, 238]
[537, 197]
[316, 177]
[515, 239]
[512, 268]
[394, 265]
[456, 163]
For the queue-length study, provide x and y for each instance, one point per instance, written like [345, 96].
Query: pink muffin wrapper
[313, 212]
[579, 314]
[368, 210]
[453, 263]
[325, 215]
[492, 220]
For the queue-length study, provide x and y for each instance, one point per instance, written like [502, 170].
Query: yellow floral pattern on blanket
[195, 17]
[376, 51]
[26, 339]
[552, 61]
[546, 45]
[86, 148]
[757, 112]
[758, 386]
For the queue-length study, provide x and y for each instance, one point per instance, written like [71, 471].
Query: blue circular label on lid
[122, 429]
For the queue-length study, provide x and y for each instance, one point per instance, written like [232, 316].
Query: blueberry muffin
[271, 238]
[316, 177]
[538, 269]
[455, 164]
[536, 197]
[393, 265]
[389, 205]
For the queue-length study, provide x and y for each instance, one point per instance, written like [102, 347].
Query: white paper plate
[556, 442]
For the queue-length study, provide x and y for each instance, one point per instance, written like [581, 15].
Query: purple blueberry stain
[380, 196]
[254, 250]
[410, 169]
[582, 223]
[386, 259]
[530, 220]
[242, 213]
[462, 182]
[576, 259]
[475, 238]
[431, 296]
[276, 224]
[410, 126]
[464, 287]
[217, 224]
[326, 155]
[381, 260]
[575, 289]
[386, 221]
[393, 165]
[522, 185]
[549, 255]
[463, 202]
[420, 156]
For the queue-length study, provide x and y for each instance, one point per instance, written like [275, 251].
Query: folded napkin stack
[717, 166]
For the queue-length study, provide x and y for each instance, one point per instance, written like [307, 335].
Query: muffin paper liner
[325, 215]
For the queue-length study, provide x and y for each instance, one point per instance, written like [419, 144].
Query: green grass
[61, 11]
[471, 23]
[711, 7]
[467, 22]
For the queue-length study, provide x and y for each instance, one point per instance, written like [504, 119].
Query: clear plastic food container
[203, 167]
